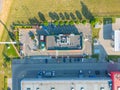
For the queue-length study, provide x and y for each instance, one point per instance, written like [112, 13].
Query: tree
[61, 23]
[66, 22]
[45, 23]
[71, 22]
[77, 21]
[84, 21]
[33, 37]
[56, 23]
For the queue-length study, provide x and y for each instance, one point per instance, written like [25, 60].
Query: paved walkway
[0, 6]
[9, 83]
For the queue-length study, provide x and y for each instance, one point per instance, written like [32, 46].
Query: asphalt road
[0, 6]
[20, 69]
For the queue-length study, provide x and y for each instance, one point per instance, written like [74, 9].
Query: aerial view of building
[59, 45]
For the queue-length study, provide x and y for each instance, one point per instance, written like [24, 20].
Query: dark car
[97, 72]
[39, 74]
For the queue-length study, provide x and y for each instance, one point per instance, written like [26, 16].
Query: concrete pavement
[20, 69]
[1, 5]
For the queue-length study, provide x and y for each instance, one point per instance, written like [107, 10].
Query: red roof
[115, 76]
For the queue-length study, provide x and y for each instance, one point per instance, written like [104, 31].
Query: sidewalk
[9, 83]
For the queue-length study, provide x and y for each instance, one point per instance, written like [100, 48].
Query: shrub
[71, 22]
[56, 23]
[61, 23]
[5, 83]
[32, 37]
[66, 22]
[45, 23]
[84, 22]
[77, 21]
[22, 26]
[94, 21]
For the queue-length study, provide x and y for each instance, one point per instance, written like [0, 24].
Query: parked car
[39, 74]
[82, 88]
[97, 72]
[102, 88]
[48, 73]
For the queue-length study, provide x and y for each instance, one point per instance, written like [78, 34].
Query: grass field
[33, 11]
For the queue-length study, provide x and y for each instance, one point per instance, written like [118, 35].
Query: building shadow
[101, 52]
[107, 28]
[86, 13]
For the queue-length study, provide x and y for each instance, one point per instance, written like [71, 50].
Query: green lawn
[95, 33]
[113, 58]
[34, 11]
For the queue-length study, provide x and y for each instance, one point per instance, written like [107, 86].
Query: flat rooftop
[115, 76]
[64, 42]
[117, 40]
[64, 84]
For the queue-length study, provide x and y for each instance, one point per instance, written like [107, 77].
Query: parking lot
[28, 43]
[31, 68]
[105, 37]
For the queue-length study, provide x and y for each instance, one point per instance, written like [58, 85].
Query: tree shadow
[67, 16]
[54, 16]
[41, 16]
[78, 14]
[51, 16]
[34, 20]
[9, 88]
[6, 57]
[31, 33]
[86, 13]
[9, 32]
[62, 16]
[72, 16]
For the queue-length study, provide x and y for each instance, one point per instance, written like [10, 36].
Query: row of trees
[61, 23]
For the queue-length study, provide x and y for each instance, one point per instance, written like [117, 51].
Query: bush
[32, 37]
[66, 23]
[71, 22]
[84, 22]
[22, 26]
[45, 23]
[56, 23]
[113, 58]
[95, 56]
[5, 83]
[94, 21]
[95, 32]
[77, 21]
[61, 23]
